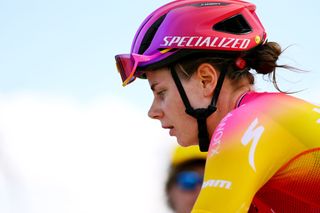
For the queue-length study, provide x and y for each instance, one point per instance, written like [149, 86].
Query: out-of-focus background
[72, 140]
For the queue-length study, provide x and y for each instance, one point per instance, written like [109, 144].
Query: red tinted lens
[125, 64]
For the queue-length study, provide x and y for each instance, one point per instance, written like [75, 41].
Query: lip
[166, 127]
[171, 129]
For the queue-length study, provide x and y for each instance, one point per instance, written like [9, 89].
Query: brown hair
[263, 59]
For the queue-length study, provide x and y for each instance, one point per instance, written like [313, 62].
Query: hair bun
[264, 58]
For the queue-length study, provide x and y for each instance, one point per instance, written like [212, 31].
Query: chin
[186, 143]
[181, 142]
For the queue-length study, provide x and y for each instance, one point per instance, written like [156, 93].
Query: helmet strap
[201, 114]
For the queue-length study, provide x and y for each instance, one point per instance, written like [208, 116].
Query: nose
[155, 112]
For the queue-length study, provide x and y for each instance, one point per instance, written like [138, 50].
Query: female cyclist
[263, 148]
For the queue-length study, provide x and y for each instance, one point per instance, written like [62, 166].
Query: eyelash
[161, 93]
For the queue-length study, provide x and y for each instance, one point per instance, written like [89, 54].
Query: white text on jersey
[217, 184]
[216, 140]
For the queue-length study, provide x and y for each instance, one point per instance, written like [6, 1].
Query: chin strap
[201, 114]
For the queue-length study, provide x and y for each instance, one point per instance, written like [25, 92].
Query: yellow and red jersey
[266, 152]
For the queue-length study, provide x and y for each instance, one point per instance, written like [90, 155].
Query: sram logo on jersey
[217, 184]
[200, 41]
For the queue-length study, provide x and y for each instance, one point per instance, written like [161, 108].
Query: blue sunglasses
[188, 180]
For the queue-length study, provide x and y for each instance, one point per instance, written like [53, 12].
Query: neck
[227, 101]
[239, 95]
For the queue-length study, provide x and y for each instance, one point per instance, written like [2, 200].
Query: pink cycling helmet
[191, 25]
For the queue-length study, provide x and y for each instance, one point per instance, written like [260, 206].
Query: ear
[208, 78]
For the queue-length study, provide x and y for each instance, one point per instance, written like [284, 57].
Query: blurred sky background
[71, 138]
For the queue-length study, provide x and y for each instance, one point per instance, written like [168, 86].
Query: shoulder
[272, 101]
[272, 106]
[273, 114]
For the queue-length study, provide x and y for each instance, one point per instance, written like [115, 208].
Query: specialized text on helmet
[200, 41]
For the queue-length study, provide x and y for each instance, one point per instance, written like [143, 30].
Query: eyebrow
[153, 86]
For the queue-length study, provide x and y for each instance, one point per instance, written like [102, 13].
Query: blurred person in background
[185, 177]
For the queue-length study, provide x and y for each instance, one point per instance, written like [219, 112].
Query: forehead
[158, 76]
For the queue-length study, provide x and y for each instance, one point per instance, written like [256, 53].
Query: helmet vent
[234, 25]
[147, 39]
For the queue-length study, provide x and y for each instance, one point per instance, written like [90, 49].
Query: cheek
[187, 131]
[173, 103]
[183, 200]
[195, 94]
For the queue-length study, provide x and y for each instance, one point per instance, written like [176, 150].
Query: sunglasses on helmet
[188, 180]
[127, 64]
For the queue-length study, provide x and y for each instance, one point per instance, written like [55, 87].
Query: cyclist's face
[169, 109]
